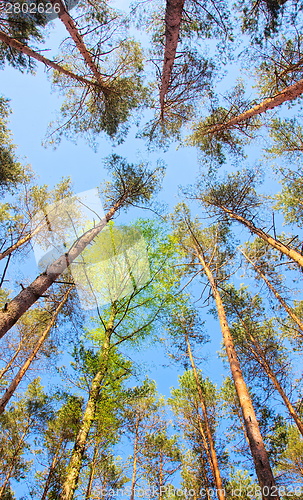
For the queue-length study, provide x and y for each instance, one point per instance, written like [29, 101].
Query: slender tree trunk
[161, 480]
[74, 467]
[51, 470]
[19, 376]
[287, 94]
[173, 18]
[91, 474]
[258, 451]
[289, 252]
[29, 295]
[211, 445]
[71, 27]
[12, 42]
[258, 353]
[11, 361]
[288, 309]
[135, 458]
[13, 465]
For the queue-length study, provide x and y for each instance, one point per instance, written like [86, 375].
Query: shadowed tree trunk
[19, 376]
[35, 55]
[258, 451]
[173, 18]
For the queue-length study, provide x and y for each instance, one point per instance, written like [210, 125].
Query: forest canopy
[151, 323]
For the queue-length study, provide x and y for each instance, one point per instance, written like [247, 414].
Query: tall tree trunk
[92, 467]
[287, 94]
[135, 458]
[11, 361]
[288, 309]
[173, 18]
[19, 376]
[211, 445]
[71, 27]
[12, 42]
[29, 295]
[51, 470]
[13, 464]
[258, 451]
[258, 353]
[278, 245]
[75, 464]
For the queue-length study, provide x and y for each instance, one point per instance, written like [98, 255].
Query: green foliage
[106, 106]
[134, 184]
[12, 172]
[25, 27]
[215, 139]
[236, 193]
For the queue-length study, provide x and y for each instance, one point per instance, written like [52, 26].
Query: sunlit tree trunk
[258, 353]
[92, 468]
[75, 464]
[288, 309]
[51, 470]
[210, 442]
[29, 295]
[12, 42]
[72, 29]
[258, 451]
[289, 252]
[288, 94]
[135, 459]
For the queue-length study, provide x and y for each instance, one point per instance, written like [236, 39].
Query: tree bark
[134, 472]
[287, 94]
[71, 27]
[13, 465]
[91, 474]
[51, 470]
[258, 451]
[12, 42]
[173, 18]
[211, 445]
[288, 309]
[74, 467]
[258, 353]
[29, 295]
[19, 376]
[289, 252]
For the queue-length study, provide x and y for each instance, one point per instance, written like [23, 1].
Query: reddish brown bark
[258, 451]
[19, 376]
[288, 309]
[35, 55]
[71, 27]
[258, 353]
[288, 94]
[210, 442]
[278, 245]
[173, 18]
[29, 295]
